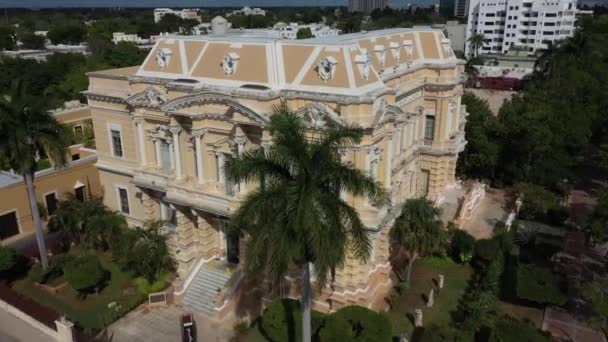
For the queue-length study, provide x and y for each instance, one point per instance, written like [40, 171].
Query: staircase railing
[223, 297]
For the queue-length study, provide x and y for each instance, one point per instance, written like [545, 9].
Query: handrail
[190, 278]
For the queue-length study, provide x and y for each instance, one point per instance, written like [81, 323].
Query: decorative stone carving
[417, 318]
[395, 51]
[230, 62]
[150, 97]
[409, 47]
[445, 44]
[380, 51]
[163, 58]
[431, 300]
[327, 68]
[363, 64]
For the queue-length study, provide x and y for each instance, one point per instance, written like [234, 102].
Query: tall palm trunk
[28, 176]
[306, 303]
[410, 263]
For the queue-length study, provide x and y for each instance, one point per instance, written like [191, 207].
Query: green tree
[124, 54]
[304, 33]
[27, 133]
[8, 258]
[297, 215]
[482, 150]
[596, 227]
[143, 251]
[90, 224]
[32, 41]
[85, 273]
[477, 41]
[596, 294]
[417, 230]
[8, 40]
[70, 33]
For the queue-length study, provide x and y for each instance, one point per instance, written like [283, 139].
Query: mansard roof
[348, 64]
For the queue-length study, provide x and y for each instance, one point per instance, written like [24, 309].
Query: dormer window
[395, 50]
[362, 62]
[408, 45]
[380, 52]
[230, 62]
[163, 57]
[327, 68]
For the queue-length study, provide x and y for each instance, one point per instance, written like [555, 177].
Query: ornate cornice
[173, 106]
[103, 97]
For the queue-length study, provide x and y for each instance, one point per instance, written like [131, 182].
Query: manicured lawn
[92, 312]
[522, 312]
[424, 275]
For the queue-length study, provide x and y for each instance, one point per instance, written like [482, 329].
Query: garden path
[161, 324]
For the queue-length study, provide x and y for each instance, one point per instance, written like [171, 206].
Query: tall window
[80, 193]
[116, 143]
[123, 197]
[429, 128]
[51, 203]
[165, 157]
[9, 225]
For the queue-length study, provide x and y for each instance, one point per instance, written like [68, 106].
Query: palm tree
[27, 133]
[418, 230]
[470, 69]
[477, 40]
[297, 215]
[543, 62]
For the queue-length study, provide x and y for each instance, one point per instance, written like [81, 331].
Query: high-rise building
[461, 8]
[524, 25]
[165, 130]
[365, 6]
[446, 7]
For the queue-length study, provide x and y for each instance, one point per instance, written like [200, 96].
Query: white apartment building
[118, 37]
[186, 13]
[290, 31]
[247, 11]
[519, 24]
[365, 6]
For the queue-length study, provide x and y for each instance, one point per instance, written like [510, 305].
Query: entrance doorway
[232, 249]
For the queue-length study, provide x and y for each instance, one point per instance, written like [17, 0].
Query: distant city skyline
[191, 3]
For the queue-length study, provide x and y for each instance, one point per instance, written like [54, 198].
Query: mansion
[165, 129]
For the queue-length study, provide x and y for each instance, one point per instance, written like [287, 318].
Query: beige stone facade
[165, 129]
[79, 175]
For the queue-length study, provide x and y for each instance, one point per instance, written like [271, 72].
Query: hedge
[282, 321]
[356, 323]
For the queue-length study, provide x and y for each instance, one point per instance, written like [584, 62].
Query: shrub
[37, 274]
[509, 329]
[84, 273]
[537, 201]
[356, 323]
[282, 321]
[539, 284]
[487, 249]
[8, 259]
[462, 246]
[241, 327]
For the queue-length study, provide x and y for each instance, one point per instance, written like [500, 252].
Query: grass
[522, 312]
[424, 275]
[92, 312]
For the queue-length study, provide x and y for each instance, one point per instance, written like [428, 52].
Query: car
[188, 327]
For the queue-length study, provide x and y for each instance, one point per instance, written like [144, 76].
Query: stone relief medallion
[163, 58]
[327, 68]
[230, 62]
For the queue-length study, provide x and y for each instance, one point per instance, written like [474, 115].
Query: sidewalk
[12, 329]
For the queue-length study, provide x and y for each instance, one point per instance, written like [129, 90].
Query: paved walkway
[13, 329]
[161, 324]
[490, 211]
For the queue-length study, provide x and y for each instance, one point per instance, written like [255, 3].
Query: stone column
[389, 163]
[417, 318]
[178, 159]
[343, 161]
[223, 243]
[185, 243]
[172, 155]
[141, 141]
[431, 299]
[65, 330]
[240, 141]
[157, 152]
[198, 136]
[148, 206]
[220, 166]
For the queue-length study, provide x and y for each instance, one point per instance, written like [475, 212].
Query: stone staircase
[200, 295]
